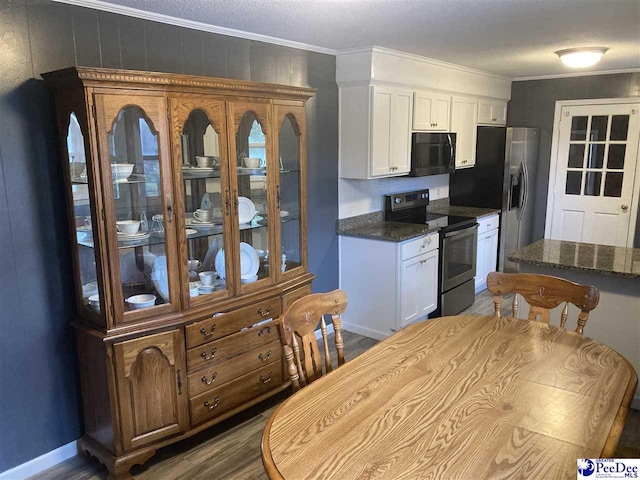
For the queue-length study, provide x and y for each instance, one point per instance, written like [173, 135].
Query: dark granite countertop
[463, 211]
[585, 257]
[387, 231]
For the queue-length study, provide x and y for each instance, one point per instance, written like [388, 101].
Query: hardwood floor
[231, 449]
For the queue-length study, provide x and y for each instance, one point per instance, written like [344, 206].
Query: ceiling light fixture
[581, 57]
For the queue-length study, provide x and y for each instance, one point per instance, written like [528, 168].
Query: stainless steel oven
[459, 254]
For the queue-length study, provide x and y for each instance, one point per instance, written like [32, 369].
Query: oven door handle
[463, 231]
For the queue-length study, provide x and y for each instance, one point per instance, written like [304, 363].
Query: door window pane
[592, 184]
[574, 183]
[579, 128]
[291, 231]
[138, 202]
[599, 128]
[596, 155]
[619, 127]
[613, 184]
[203, 204]
[576, 155]
[616, 155]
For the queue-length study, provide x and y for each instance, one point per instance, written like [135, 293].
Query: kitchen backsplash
[357, 197]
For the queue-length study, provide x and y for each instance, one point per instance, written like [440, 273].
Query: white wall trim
[577, 74]
[204, 27]
[419, 58]
[41, 463]
[553, 163]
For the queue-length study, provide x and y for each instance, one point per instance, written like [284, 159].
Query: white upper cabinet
[464, 112]
[492, 112]
[375, 131]
[431, 111]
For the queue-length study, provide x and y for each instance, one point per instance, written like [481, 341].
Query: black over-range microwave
[432, 153]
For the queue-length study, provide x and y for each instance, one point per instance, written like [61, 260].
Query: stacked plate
[123, 237]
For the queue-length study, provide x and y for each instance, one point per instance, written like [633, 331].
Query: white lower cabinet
[487, 250]
[388, 284]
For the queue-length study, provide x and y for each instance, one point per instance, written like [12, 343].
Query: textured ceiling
[516, 38]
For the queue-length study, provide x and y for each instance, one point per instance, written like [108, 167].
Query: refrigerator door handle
[525, 189]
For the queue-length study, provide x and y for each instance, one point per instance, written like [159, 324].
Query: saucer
[132, 238]
[190, 231]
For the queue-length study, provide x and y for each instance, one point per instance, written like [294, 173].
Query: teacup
[252, 162]
[207, 278]
[128, 227]
[207, 161]
[194, 264]
[205, 216]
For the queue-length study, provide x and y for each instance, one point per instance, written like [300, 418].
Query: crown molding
[204, 27]
[419, 58]
[577, 74]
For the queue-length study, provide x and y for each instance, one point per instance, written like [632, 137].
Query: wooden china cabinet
[186, 200]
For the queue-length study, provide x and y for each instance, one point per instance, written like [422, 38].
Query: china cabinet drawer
[297, 294]
[418, 246]
[230, 395]
[212, 328]
[488, 223]
[218, 351]
[216, 375]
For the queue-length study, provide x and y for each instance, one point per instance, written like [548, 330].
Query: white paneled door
[594, 193]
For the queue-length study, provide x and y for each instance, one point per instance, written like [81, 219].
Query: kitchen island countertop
[585, 257]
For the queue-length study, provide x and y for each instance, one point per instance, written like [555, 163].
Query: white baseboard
[41, 463]
[367, 332]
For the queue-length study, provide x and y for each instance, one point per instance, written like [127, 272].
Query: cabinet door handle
[235, 199]
[209, 357]
[209, 382]
[169, 202]
[211, 406]
[206, 334]
[264, 329]
[278, 195]
[494, 119]
[266, 312]
[264, 358]
[267, 379]
[179, 382]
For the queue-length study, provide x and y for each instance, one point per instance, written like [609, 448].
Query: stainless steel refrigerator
[506, 165]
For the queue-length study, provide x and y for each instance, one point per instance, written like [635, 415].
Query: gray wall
[532, 105]
[39, 403]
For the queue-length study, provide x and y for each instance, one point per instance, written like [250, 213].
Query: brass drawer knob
[207, 381]
[206, 334]
[211, 406]
[263, 330]
[267, 379]
[264, 358]
[209, 357]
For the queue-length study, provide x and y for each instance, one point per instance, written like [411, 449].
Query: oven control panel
[400, 201]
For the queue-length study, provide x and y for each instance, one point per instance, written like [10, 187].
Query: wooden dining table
[462, 397]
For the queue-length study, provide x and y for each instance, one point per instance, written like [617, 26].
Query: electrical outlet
[438, 192]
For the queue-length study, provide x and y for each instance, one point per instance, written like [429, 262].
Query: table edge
[265, 446]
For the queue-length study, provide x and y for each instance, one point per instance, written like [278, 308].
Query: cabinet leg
[118, 467]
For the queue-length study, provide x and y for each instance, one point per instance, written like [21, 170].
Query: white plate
[190, 231]
[284, 213]
[195, 223]
[246, 210]
[249, 261]
[248, 278]
[196, 168]
[132, 238]
[219, 263]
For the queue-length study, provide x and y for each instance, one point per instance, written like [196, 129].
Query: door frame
[553, 165]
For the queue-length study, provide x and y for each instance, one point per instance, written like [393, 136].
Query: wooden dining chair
[300, 321]
[542, 293]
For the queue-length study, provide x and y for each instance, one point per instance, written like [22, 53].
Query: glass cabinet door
[252, 182]
[81, 204]
[137, 189]
[200, 147]
[290, 120]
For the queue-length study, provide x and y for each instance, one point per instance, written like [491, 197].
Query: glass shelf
[133, 178]
[196, 173]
